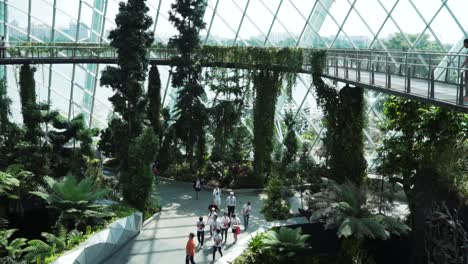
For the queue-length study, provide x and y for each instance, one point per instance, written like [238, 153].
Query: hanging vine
[344, 120]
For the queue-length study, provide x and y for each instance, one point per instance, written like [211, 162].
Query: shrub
[136, 179]
[275, 207]
[75, 201]
[284, 243]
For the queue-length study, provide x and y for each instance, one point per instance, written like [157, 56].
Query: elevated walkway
[431, 77]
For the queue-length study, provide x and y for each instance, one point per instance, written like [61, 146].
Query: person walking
[197, 186]
[246, 213]
[190, 250]
[213, 206]
[231, 204]
[200, 231]
[155, 171]
[214, 224]
[235, 224]
[225, 222]
[217, 196]
[218, 240]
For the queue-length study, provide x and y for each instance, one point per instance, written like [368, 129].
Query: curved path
[163, 240]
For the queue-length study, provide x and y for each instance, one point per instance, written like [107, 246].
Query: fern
[13, 249]
[345, 207]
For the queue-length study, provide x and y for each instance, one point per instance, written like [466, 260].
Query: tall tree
[29, 108]
[154, 96]
[425, 150]
[187, 17]
[132, 39]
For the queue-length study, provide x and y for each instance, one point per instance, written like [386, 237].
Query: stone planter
[104, 243]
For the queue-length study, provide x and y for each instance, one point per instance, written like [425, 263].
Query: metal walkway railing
[433, 77]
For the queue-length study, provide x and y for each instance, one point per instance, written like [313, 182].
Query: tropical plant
[75, 201]
[37, 250]
[5, 111]
[275, 207]
[8, 184]
[284, 243]
[190, 112]
[13, 248]
[345, 207]
[29, 108]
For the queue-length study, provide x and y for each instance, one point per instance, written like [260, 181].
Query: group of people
[218, 226]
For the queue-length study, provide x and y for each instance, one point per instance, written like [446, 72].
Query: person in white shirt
[214, 225]
[235, 224]
[231, 204]
[246, 213]
[200, 231]
[217, 196]
[218, 240]
[225, 221]
[197, 186]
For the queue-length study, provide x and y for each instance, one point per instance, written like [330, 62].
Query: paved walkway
[163, 240]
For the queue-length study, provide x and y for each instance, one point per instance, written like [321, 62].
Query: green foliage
[345, 207]
[276, 206]
[308, 170]
[290, 142]
[267, 86]
[132, 39]
[38, 251]
[8, 184]
[111, 143]
[190, 112]
[75, 201]
[13, 248]
[29, 108]
[344, 138]
[288, 61]
[137, 179]
[447, 238]
[5, 110]
[230, 89]
[154, 96]
[285, 243]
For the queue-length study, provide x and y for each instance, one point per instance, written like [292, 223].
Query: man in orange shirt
[190, 250]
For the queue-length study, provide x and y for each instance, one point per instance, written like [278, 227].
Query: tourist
[217, 195]
[235, 224]
[155, 171]
[218, 240]
[231, 204]
[214, 224]
[225, 222]
[190, 250]
[197, 186]
[200, 231]
[211, 206]
[246, 213]
[465, 65]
